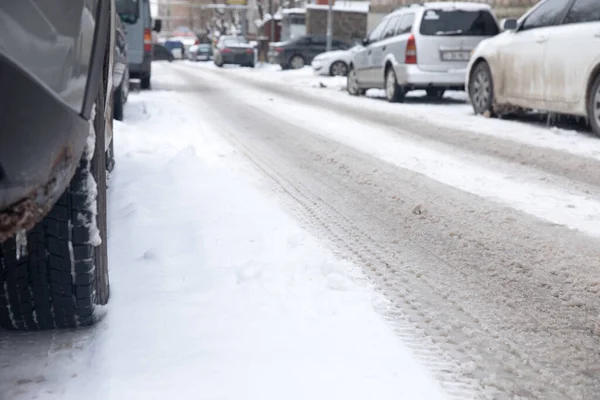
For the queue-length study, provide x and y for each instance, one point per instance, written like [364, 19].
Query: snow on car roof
[351, 6]
[294, 11]
[462, 5]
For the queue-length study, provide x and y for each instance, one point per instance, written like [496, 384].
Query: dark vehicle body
[161, 53]
[50, 71]
[175, 45]
[60, 62]
[297, 53]
[120, 71]
[234, 50]
[200, 52]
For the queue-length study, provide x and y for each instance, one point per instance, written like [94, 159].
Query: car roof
[444, 5]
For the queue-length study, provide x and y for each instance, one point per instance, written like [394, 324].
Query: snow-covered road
[275, 240]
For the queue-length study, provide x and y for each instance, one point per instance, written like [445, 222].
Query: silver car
[421, 47]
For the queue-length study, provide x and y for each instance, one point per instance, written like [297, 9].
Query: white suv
[548, 60]
[421, 47]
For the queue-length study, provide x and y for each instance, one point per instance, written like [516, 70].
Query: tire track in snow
[373, 247]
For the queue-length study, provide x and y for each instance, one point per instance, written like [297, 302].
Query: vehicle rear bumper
[143, 69]
[413, 77]
[241, 59]
[41, 142]
[276, 58]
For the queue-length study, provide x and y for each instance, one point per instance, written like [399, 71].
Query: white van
[138, 28]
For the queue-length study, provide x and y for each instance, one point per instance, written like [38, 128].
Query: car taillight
[147, 40]
[279, 49]
[225, 51]
[249, 51]
[411, 51]
[197, 41]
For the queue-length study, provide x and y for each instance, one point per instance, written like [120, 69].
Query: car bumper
[276, 58]
[240, 59]
[203, 57]
[414, 77]
[319, 67]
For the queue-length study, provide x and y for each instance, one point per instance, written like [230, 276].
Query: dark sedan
[234, 50]
[297, 53]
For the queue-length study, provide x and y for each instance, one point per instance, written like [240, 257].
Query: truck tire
[145, 82]
[61, 276]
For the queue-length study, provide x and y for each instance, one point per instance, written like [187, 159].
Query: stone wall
[502, 8]
[347, 25]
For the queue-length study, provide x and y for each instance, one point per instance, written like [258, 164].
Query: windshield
[128, 10]
[437, 22]
[233, 42]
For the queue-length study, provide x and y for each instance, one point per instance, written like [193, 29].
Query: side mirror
[157, 25]
[365, 42]
[509, 24]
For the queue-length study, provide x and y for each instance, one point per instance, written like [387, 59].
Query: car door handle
[369, 52]
[541, 39]
[383, 48]
[597, 35]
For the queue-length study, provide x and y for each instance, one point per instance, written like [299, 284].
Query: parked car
[547, 60]
[53, 230]
[234, 50]
[139, 39]
[120, 71]
[176, 48]
[421, 47]
[334, 63]
[297, 53]
[161, 53]
[200, 52]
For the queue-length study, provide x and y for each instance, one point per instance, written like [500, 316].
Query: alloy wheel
[339, 68]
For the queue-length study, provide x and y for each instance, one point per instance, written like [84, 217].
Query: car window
[377, 31]
[405, 24]
[545, 15]
[583, 11]
[339, 45]
[456, 22]
[390, 28]
[303, 41]
[318, 41]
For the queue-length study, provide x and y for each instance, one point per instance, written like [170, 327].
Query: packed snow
[503, 182]
[216, 293]
[453, 111]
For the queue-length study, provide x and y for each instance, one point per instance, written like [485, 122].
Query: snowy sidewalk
[216, 292]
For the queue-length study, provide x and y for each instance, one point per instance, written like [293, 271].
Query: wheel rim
[390, 84]
[297, 62]
[481, 92]
[339, 69]
[352, 83]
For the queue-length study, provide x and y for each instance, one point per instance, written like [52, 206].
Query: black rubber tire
[357, 91]
[488, 107]
[118, 103]
[398, 94]
[435, 93]
[145, 82]
[62, 276]
[591, 103]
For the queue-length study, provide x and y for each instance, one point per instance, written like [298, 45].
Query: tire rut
[470, 277]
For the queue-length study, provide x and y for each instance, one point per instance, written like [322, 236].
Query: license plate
[456, 55]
